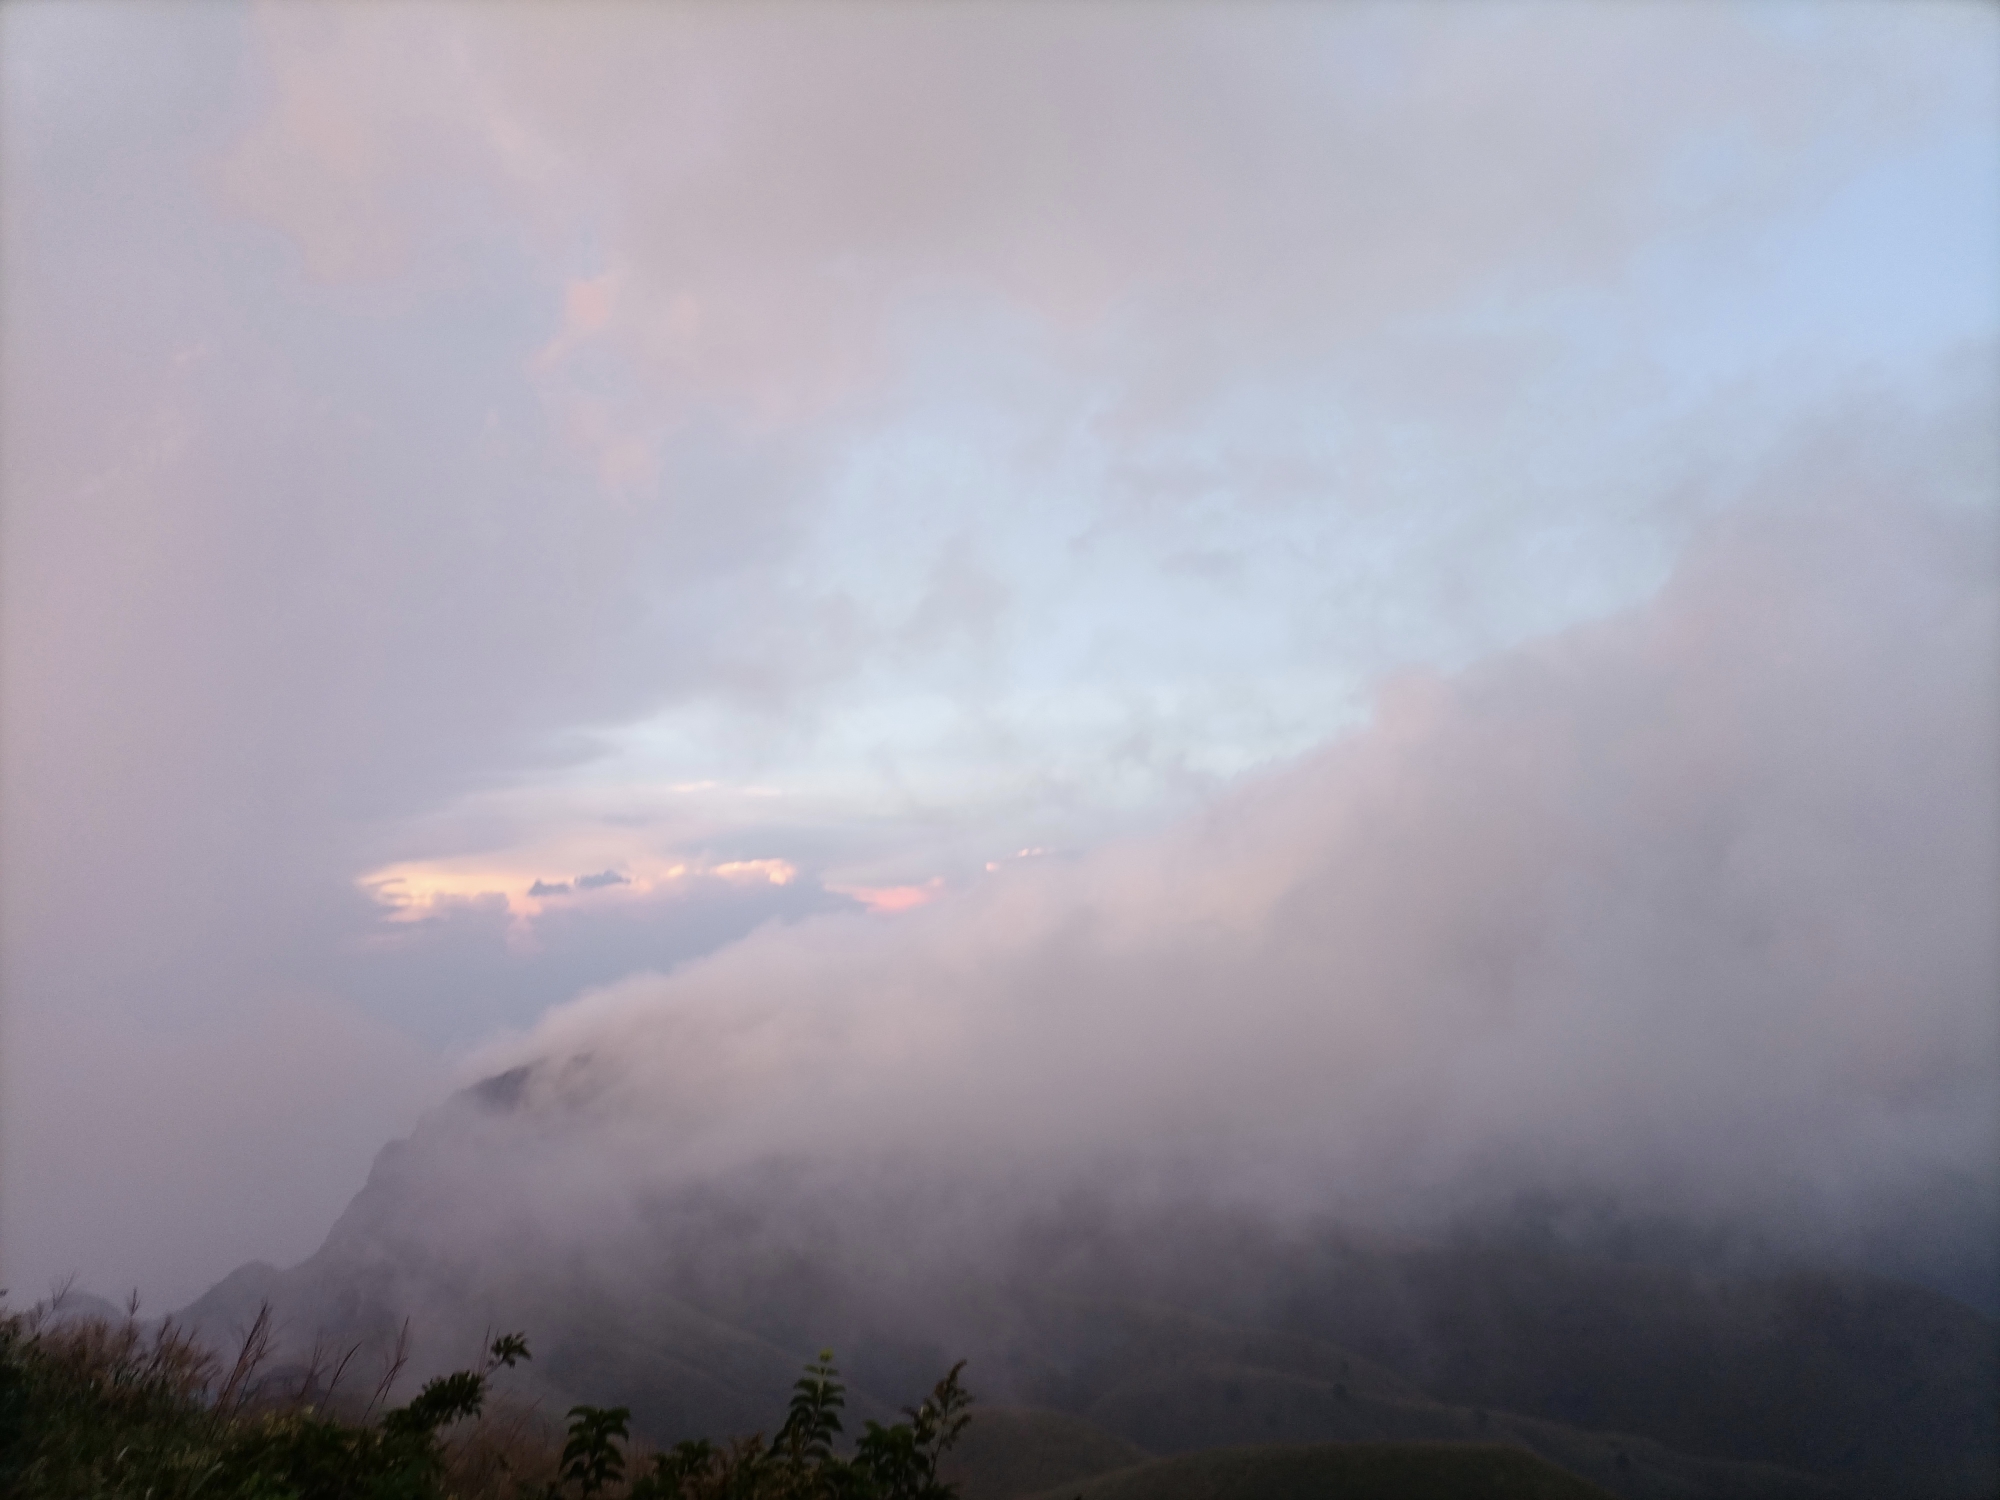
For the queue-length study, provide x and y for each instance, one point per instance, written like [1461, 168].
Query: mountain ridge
[1186, 1326]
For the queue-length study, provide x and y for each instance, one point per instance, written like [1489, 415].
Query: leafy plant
[901, 1462]
[897, 1462]
[591, 1458]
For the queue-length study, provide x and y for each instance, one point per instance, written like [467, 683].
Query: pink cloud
[887, 900]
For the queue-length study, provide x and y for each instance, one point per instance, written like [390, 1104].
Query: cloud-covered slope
[1688, 911]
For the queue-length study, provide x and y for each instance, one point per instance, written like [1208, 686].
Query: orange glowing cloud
[528, 880]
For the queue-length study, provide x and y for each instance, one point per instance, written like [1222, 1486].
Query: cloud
[162, 1121]
[413, 890]
[1690, 907]
[887, 900]
[1198, 186]
[832, 399]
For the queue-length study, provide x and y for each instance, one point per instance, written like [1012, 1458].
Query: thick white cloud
[1690, 909]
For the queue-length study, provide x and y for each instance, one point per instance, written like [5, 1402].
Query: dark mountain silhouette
[1104, 1340]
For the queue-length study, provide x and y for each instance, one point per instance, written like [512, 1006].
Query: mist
[1682, 917]
[992, 619]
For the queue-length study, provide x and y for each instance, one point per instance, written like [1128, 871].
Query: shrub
[101, 1408]
[889, 1463]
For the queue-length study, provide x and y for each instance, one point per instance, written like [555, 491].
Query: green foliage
[899, 1462]
[447, 1399]
[508, 1350]
[101, 1409]
[814, 1415]
[591, 1459]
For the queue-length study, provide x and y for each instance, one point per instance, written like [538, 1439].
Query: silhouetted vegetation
[898, 1462]
[99, 1407]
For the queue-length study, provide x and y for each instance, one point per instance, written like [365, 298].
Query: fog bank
[1687, 912]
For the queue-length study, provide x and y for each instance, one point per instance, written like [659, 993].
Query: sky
[499, 504]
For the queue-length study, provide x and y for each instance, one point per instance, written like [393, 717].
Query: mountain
[1110, 1338]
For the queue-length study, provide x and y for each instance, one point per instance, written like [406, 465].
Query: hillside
[1011, 1452]
[1360, 1471]
[1109, 1339]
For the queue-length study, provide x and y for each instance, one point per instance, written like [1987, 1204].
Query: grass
[116, 1408]
[112, 1408]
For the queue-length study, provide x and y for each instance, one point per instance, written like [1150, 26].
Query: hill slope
[1175, 1329]
[1361, 1471]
